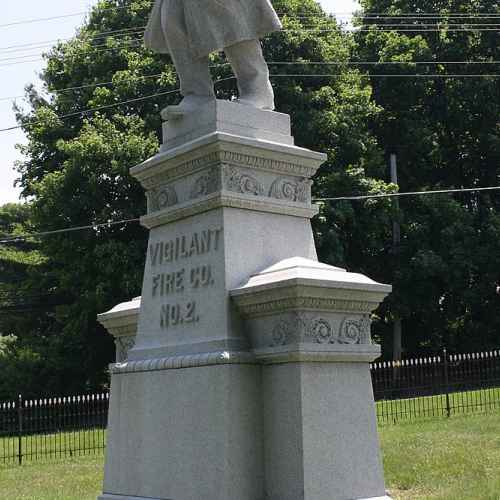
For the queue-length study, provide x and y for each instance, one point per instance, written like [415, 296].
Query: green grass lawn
[69, 479]
[453, 459]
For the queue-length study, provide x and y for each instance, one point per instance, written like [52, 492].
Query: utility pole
[397, 347]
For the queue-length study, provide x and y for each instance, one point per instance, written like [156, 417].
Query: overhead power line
[12, 54]
[401, 28]
[138, 30]
[410, 193]
[285, 63]
[63, 16]
[128, 44]
[427, 15]
[275, 63]
[104, 36]
[99, 108]
[286, 75]
[22, 237]
[319, 14]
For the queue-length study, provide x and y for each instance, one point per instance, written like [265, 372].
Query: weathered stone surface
[219, 116]
[189, 31]
[186, 434]
[309, 324]
[302, 310]
[240, 204]
[249, 377]
[259, 171]
[320, 433]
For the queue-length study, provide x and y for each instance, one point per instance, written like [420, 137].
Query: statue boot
[197, 87]
[252, 73]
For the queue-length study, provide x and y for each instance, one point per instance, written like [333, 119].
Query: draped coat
[212, 25]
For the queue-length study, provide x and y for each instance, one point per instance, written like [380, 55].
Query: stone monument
[189, 30]
[243, 369]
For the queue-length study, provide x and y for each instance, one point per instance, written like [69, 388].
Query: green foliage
[446, 133]
[77, 166]
[27, 306]
[443, 459]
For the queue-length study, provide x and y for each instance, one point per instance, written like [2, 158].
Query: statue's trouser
[246, 59]
[251, 70]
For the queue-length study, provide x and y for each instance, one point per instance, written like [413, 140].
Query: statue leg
[251, 70]
[194, 74]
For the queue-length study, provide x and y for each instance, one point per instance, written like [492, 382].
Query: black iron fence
[54, 427]
[443, 385]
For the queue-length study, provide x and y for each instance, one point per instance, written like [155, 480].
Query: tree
[446, 132]
[23, 305]
[77, 162]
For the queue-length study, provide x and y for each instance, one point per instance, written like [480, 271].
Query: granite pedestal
[248, 376]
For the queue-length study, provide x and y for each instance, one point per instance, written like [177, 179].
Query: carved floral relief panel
[161, 198]
[290, 190]
[240, 182]
[317, 329]
[205, 184]
[123, 346]
[230, 178]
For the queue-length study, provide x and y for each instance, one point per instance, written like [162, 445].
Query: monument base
[249, 374]
[185, 433]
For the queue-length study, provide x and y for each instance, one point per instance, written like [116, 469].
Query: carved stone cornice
[218, 149]
[207, 183]
[226, 199]
[302, 310]
[122, 320]
[279, 305]
[127, 330]
[164, 173]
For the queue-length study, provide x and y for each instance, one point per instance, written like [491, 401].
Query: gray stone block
[249, 374]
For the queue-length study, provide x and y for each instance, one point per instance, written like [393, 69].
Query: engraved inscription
[167, 283]
[183, 247]
[178, 314]
[201, 277]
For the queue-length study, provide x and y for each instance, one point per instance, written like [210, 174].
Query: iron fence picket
[439, 386]
[51, 428]
[442, 385]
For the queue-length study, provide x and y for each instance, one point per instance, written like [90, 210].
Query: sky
[15, 75]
